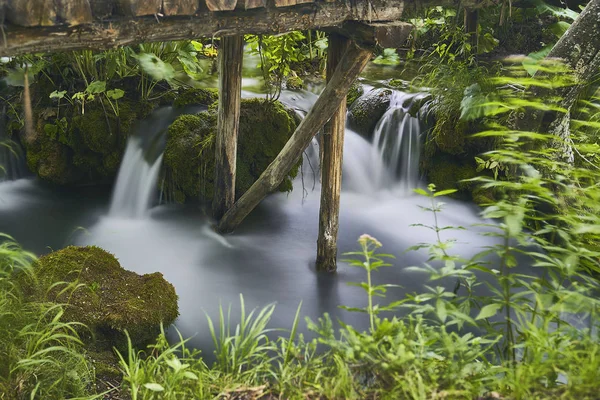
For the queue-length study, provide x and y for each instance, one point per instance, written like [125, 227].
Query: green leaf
[96, 87]
[58, 95]
[444, 192]
[155, 387]
[115, 94]
[488, 311]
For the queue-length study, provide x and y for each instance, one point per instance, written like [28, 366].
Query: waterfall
[135, 190]
[12, 164]
[136, 181]
[391, 161]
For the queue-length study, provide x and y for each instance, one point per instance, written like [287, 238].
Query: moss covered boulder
[108, 299]
[366, 111]
[73, 147]
[190, 96]
[189, 161]
[356, 90]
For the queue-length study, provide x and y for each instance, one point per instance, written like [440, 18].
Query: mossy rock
[367, 110]
[448, 172]
[356, 90]
[74, 147]
[191, 96]
[294, 83]
[106, 298]
[189, 161]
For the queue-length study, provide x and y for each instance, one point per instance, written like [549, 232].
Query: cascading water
[391, 161]
[136, 182]
[11, 157]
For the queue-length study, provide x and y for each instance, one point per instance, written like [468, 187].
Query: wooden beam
[391, 34]
[231, 53]
[331, 168]
[128, 31]
[221, 5]
[349, 68]
[179, 7]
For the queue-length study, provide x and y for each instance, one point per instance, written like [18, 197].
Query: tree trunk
[230, 93]
[331, 168]
[351, 65]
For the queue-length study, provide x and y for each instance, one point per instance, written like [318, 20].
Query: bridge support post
[230, 88]
[350, 66]
[331, 168]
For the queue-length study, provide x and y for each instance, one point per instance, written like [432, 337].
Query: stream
[270, 257]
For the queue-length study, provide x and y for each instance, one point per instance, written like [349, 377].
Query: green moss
[189, 96]
[72, 147]
[294, 83]
[356, 90]
[264, 129]
[108, 299]
[448, 172]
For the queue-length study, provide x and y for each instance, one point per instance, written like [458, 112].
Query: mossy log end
[331, 169]
[228, 121]
[350, 66]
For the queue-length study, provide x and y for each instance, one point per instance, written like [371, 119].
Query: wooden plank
[331, 168]
[125, 31]
[102, 8]
[137, 8]
[179, 7]
[221, 5]
[75, 12]
[348, 69]
[249, 4]
[288, 3]
[31, 12]
[231, 54]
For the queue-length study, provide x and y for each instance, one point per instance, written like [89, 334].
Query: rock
[356, 90]
[294, 83]
[366, 111]
[448, 172]
[191, 96]
[103, 296]
[265, 127]
[73, 148]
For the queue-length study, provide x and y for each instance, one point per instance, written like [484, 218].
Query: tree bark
[228, 121]
[331, 168]
[351, 65]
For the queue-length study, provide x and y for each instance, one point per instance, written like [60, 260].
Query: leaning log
[350, 66]
[228, 121]
[331, 168]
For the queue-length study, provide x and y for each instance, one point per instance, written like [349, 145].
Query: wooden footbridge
[355, 26]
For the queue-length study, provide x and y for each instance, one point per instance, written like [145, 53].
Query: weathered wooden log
[352, 63]
[137, 8]
[385, 34]
[228, 121]
[48, 12]
[116, 31]
[179, 7]
[221, 5]
[331, 168]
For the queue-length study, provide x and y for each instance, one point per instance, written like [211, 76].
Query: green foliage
[123, 301]
[277, 53]
[41, 352]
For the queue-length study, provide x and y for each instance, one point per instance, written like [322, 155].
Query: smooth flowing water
[270, 257]
[12, 163]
